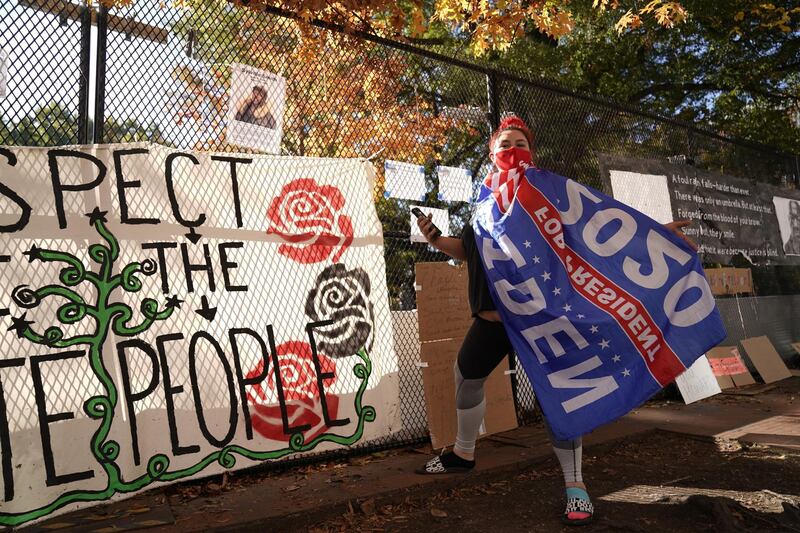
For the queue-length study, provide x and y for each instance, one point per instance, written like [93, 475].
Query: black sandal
[447, 463]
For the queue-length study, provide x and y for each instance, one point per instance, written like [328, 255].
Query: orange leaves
[666, 14]
[486, 25]
[770, 17]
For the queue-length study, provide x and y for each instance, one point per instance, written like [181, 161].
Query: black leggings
[485, 345]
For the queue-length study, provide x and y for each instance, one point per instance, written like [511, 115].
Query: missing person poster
[787, 211]
[255, 109]
[731, 216]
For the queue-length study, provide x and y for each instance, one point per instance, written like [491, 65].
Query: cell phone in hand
[419, 214]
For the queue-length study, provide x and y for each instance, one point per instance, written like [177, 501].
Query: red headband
[512, 122]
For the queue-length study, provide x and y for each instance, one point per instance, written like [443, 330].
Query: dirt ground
[660, 482]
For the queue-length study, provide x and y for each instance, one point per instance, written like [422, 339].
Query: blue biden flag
[603, 305]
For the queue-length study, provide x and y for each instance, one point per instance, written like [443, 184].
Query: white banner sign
[172, 315]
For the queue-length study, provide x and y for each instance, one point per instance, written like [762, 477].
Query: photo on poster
[787, 210]
[255, 109]
[4, 58]
[191, 104]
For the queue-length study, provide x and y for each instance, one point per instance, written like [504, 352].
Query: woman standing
[486, 342]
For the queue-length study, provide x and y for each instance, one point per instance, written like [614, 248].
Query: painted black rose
[342, 296]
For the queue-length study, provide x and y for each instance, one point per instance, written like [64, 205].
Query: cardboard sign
[444, 318]
[728, 366]
[440, 394]
[729, 380]
[766, 360]
[724, 281]
[442, 301]
[698, 382]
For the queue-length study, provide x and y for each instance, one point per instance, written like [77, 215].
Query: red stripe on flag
[662, 362]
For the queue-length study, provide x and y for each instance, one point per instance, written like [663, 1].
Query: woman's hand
[452, 247]
[677, 228]
[428, 229]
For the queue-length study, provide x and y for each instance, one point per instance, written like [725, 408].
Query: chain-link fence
[151, 72]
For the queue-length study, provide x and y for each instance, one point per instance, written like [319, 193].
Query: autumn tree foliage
[486, 25]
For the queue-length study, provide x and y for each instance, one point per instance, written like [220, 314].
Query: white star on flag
[536, 259]
[626, 372]
[604, 344]
[557, 291]
[546, 276]
[527, 244]
[594, 329]
[567, 308]
[616, 358]
[581, 316]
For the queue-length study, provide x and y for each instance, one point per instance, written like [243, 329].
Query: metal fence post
[493, 112]
[83, 82]
[100, 76]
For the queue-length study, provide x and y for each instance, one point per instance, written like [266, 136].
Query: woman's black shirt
[480, 299]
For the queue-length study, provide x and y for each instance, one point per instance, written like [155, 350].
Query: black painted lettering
[321, 376]
[132, 184]
[162, 260]
[188, 267]
[198, 402]
[25, 207]
[45, 418]
[132, 397]
[279, 387]
[169, 392]
[5, 434]
[234, 182]
[225, 264]
[173, 199]
[240, 378]
[59, 188]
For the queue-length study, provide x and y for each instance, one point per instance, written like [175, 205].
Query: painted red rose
[308, 216]
[267, 420]
[301, 392]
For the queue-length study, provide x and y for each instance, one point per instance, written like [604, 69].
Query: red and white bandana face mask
[511, 164]
[512, 158]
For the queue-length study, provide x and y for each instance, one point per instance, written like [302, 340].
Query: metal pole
[83, 81]
[100, 89]
[493, 109]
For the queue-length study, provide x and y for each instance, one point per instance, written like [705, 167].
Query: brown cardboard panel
[796, 346]
[437, 381]
[742, 281]
[727, 381]
[744, 379]
[716, 280]
[728, 280]
[500, 413]
[442, 302]
[766, 360]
